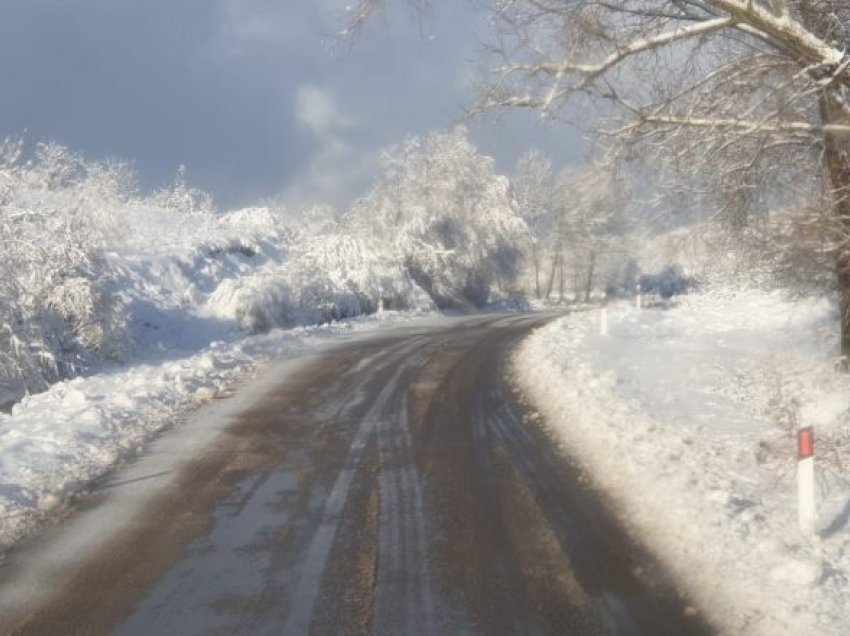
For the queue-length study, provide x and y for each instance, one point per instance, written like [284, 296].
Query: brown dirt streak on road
[488, 476]
[478, 557]
[546, 571]
[605, 557]
[347, 591]
[100, 592]
[497, 502]
[388, 384]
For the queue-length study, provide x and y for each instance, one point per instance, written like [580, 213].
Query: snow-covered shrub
[57, 215]
[181, 197]
[263, 303]
[329, 273]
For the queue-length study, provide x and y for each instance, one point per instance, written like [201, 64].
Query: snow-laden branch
[640, 45]
[749, 127]
[783, 28]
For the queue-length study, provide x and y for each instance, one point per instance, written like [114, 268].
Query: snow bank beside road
[684, 417]
[56, 443]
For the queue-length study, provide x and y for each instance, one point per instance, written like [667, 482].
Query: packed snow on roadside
[687, 417]
[55, 444]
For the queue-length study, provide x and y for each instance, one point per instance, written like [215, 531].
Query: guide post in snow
[638, 299]
[806, 479]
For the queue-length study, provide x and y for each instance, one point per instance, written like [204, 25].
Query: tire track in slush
[476, 522]
[315, 563]
[403, 552]
[630, 604]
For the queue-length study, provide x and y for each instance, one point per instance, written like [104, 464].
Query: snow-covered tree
[531, 194]
[593, 229]
[750, 99]
[441, 209]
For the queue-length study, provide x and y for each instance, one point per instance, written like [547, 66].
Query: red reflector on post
[805, 443]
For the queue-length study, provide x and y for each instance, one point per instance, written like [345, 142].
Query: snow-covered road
[388, 486]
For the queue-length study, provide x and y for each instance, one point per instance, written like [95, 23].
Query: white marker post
[603, 317]
[806, 479]
[638, 299]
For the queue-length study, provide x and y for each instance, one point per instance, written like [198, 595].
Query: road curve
[392, 486]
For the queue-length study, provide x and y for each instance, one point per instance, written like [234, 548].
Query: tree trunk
[837, 160]
[588, 286]
[576, 281]
[551, 281]
[836, 157]
[499, 284]
[561, 277]
[535, 255]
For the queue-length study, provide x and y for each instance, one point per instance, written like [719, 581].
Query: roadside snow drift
[197, 300]
[687, 417]
[55, 444]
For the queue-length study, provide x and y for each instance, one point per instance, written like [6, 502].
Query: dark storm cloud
[249, 94]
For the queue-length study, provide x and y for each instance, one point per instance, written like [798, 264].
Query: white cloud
[316, 109]
[338, 168]
[250, 25]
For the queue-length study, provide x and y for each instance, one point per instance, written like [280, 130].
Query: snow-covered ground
[686, 416]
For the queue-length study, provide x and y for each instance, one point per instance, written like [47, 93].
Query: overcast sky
[250, 95]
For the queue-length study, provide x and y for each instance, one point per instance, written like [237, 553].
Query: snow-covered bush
[329, 273]
[179, 196]
[57, 215]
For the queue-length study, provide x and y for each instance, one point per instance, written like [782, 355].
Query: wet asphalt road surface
[391, 486]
